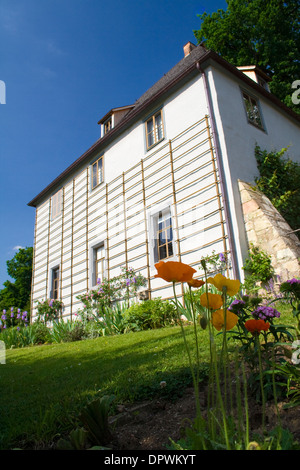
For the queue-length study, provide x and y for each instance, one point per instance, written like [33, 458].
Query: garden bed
[150, 425]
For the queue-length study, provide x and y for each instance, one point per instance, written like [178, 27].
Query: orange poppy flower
[174, 271]
[256, 326]
[218, 320]
[195, 283]
[220, 281]
[213, 301]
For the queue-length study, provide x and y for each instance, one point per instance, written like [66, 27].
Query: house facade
[161, 182]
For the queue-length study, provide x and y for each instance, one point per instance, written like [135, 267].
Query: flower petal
[196, 283]
[174, 271]
[218, 319]
[220, 281]
[213, 301]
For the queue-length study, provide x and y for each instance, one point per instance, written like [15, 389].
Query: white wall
[199, 231]
[238, 138]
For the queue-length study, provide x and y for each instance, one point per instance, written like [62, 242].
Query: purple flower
[12, 309]
[127, 282]
[293, 281]
[4, 311]
[265, 313]
[99, 280]
[3, 316]
[222, 258]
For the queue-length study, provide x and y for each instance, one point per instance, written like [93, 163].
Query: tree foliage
[17, 294]
[279, 180]
[258, 32]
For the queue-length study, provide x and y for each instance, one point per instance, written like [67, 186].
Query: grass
[43, 388]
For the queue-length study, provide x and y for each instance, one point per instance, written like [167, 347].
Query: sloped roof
[182, 70]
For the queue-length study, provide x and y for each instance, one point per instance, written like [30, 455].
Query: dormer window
[112, 118]
[107, 125]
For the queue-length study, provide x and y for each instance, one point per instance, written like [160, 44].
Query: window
[252, 110]
[99, 263]
[154, 129]
[163, 235]
[107, 125]
[55, 283]
[97, 172]
[56, 204]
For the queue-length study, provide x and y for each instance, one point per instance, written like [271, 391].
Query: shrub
[49, 310]
[68, 331]
[122, 287]
[258, 268]
[41, 334]
[280, 181]
[149, 314]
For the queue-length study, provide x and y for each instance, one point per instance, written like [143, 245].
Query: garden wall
[268, 230]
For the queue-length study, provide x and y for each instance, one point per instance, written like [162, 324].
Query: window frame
[92, 249]
[96, 275]
[96, 162]
[156, 139]
[107, 125]
[165, 216]
[55, 279]
[252, 98]
[153, 220]
[56, 204]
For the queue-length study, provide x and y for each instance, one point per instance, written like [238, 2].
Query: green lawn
[43, 388]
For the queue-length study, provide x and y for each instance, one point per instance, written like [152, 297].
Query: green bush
[150, 314]
[67, 331]
[279, 180]
[258, 268]
[41, 334]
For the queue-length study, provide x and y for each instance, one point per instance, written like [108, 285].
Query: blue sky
[65, 64]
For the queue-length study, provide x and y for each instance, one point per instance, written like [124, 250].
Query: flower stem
[200, 419]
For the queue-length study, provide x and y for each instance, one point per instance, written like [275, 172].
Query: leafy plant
[49, 310]
[258, 268]
[77, 440]
[68, 331]
[94, 416]
[279, 180]
[117, 289]
[149, 314]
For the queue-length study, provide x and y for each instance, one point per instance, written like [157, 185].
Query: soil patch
[150, 425]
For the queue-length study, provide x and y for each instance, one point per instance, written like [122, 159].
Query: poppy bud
[203, 322]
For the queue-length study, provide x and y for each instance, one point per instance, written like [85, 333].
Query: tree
[17, 294]
[264, 33]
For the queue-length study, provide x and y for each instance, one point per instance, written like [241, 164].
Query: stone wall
[268, 230]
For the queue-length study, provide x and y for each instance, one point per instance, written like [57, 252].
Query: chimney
[187, 49]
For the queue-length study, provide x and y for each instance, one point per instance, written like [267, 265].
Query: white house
[161, 182]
